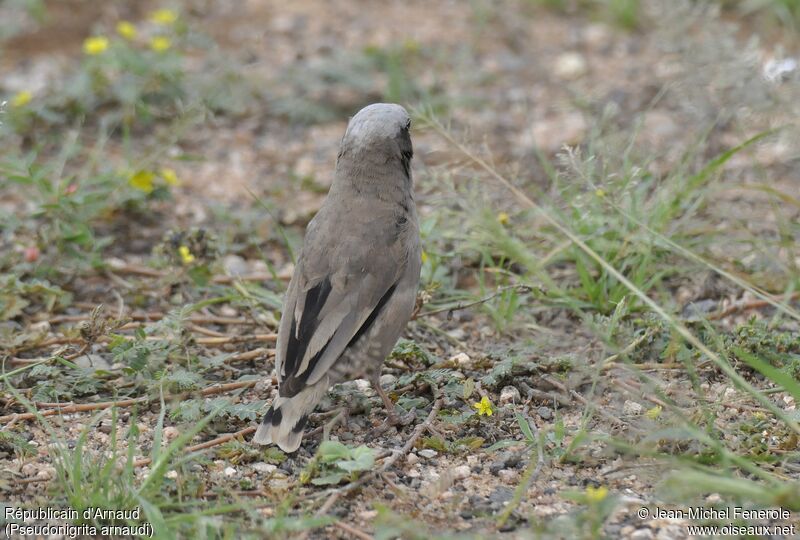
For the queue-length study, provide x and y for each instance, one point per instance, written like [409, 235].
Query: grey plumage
[355, 282]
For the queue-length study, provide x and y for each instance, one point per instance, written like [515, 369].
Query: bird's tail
[287, 416]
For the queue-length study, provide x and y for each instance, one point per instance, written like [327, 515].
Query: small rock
[631, 408]
[461, 359]
[365, 387]
[428, 453]
[509, 394]
[570, 66]
[412, 458]
[368, 515]
[778, 70]
[94, 361]
[234, 265]
[230, 471]
[545, 413]
[413, 473]
[508, 476]
[170, 433]
[501, 495]
[264, 468]
[642, 534]
[461, 472]
[172, 475]
[388, 379]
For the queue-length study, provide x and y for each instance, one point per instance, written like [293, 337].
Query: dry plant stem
[629, 348]
[352, 531]
[83, 407]
[519, 288]
[122, 267]
[157, 316]
[246, 355]
[745, 306]
[208, 444]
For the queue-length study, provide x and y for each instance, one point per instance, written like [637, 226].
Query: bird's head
[379, 132]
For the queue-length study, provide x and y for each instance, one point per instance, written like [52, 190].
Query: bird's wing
[343, 279]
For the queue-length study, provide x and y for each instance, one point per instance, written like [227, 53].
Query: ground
[607, 320]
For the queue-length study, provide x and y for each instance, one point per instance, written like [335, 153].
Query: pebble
[264, 468]
[461, 472]
[570, 65]
[631, 408]
[412, 458]
[413, 473]
[170, 433]
[230, 471]
[172, 475]
[461, 359]
[642, 534]
[545, 413]
[235, 265]
[509, 394]
[508, 476]
[388, 379]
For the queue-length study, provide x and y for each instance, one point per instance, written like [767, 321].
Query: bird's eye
[408, 124]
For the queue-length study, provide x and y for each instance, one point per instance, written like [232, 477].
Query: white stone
[412, 459]
[570, 65]
[461, 359]
[461, 472]
[631, 408]
[172, 475]
[230, 471]
[428, 453]
[264, 468]
[509, 394]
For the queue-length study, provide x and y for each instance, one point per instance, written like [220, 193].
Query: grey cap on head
[354, 285]
[379, 121]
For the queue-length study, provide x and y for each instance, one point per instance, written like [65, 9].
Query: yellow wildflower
[95, 45]
[21, 99]
[169, 176]
[596, 494]
[600, 193]
[126, 29]
[653, 413]
[502, 218]
[160, 43]
[142, 180]
[424, 257]
[164, 16]
[484, 407]
[186, 255]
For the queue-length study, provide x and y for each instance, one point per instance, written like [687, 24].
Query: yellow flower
[170, 177]
[502, 218]
[186, 255]
[164, 16]
[142, 180]
[600, 193]
[424, 257]
[126, 29]
[95, 45]
[160, 43]
[596, 494]
[21, 99]
[653, 413]
[484, 407]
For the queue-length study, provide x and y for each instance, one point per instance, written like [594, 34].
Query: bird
[355, 280]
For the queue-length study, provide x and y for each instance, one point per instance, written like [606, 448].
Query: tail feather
[286, 418]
